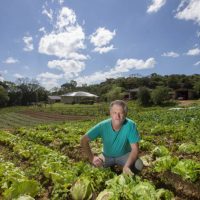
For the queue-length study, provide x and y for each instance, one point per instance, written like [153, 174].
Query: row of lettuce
[69, 180]
[45, 147]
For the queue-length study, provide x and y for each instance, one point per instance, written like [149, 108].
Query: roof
[54, 97]
[79, 94]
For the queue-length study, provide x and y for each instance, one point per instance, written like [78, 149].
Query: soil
[54, 116]
[186, 102]
[183, 190]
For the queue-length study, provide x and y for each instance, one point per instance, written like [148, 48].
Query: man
[120, 140]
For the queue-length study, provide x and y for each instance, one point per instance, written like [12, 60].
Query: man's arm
[132, 158]
[95, 160]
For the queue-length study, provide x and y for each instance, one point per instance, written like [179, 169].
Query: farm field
[41, 158]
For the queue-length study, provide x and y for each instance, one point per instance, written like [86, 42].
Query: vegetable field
[44, 160]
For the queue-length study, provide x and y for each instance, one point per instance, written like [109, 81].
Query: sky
[56, 41]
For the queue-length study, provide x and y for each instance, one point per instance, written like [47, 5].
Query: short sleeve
[133, 135]
[94, 132]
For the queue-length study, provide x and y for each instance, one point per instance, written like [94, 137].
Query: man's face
[117, 114]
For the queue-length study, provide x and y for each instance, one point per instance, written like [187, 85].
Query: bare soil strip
[54, 116]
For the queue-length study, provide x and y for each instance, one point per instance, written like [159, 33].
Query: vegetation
[27, 92]
[45, 161]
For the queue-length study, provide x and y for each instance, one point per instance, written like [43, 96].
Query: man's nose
[118, 115]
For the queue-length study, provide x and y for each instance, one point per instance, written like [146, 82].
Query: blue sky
[56, 41]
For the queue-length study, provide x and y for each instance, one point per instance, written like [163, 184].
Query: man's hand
[97, 161]
[127, 170]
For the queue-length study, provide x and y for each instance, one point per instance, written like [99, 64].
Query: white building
[79, 97]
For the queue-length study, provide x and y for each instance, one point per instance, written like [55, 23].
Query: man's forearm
[131, 159]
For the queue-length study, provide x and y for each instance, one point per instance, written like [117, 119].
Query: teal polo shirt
[115, 143]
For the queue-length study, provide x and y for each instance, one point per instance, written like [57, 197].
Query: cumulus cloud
[1, 75]
[1, 78]
[126, 65]
[101, 37]
[197, 63]
[28, 40]
[193, 52]
[67, 38]
[65, 41]
[171, 54]
[49, 13]
[65, 19]
[10, 60]
[189, 10]
[3, 72]
[102, 50]
[70, 68]
[62, 44]
[49, 80]
[122, 66]
[42, 29]
[59, 1]
[156, 6]
[18, 75]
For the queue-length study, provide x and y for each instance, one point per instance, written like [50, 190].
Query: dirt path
[186, 102]
[54, 116]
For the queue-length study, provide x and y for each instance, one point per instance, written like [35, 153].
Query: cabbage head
[106, 195]
[82, 189]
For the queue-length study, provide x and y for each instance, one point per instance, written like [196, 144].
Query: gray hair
[120, 103]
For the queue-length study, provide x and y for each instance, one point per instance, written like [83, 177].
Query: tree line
[154, 88]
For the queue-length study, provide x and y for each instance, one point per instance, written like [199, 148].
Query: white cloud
[1, 78]
[3, 72]
[49, 80]
[171, 54]
[102, 50]
[28, 40]
[10, 60]
[70, 68]
[189, 10]
[126, 65]
[60, 2]
[156, 6]
[18, 75]
[101, 37]
[49, 13]
[193, 52]
[62, 44]
[122, 66]
[66, 18]
[42, 29]
[1, 75]
[198, 33]
[197, 63]
[66, 40]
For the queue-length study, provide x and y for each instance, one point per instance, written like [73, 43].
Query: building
[54, 99]
[79, 97]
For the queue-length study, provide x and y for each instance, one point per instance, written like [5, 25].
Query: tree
[3, 96]
[68, 87]
[197, 89]
[115, 93]
[160, 95]
[144, 96]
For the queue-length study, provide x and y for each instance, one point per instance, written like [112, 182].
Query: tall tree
[3, 96]
[160, 95]
[143, 96]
